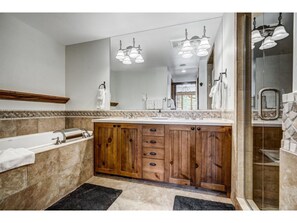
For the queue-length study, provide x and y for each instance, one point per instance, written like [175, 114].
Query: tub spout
[86, 133]
[63, 134]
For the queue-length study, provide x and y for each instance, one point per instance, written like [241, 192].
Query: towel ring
[102, 85]
[220, 77]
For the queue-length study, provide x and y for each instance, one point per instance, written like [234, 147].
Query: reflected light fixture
[183, 71]
[195, 46]
[130, 52]
[268, 34]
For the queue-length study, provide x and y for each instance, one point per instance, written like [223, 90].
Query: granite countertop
[267, 123]
[172, 121]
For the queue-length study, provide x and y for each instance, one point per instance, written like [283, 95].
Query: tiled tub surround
[288, 154]
[54, 174]
[24, 126]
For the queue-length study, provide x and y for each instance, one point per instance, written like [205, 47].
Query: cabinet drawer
[153, 130]
[153, 176]
[153, 153]
[153, 165]
[153, 141]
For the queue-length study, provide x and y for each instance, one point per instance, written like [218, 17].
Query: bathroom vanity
[180, 151]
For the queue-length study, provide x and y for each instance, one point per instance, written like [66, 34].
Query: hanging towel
[158, 104]
[150, 104]
[101, 99]
[215, 94]
[12, 158]
[224, 92]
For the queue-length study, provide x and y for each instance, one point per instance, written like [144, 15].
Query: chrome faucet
[58, 142]
[63, 134]
[86, 133]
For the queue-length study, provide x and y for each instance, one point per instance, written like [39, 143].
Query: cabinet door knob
[198, 128]
[196, 165]
[119, 126]
[153, 130]
[153, 153]
[153, 164]
[114, 126]
[171, 162]
[192, 128]
[153, 141]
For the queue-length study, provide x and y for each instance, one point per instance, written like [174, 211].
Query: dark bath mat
[187, 204]
[87, 197]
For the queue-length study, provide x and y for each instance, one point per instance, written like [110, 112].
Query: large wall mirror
[177, 69]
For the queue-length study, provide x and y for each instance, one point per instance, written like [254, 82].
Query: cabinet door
[213, 157]
[105, 145]
[130, 150]
[179, 145]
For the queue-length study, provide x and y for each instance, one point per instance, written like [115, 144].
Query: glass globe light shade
[202, 53]
[133, 53]
[139, 59]
[279, 33]
[204, 44]
[268, 43]
[256, 36]
[187, 54]
[187, 46]
[120, 55]
[127, 60]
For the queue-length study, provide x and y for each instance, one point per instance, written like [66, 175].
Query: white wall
[87, 66]
[225, 55]
[30, 61]
[295, 54]
[128, 88]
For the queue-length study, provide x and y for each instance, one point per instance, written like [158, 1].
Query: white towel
[101, 97]
[150, 104]
[159, 104]
[215, 94]
[12, 158]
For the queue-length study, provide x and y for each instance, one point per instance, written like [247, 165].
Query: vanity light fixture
[269, 34]
[130, 52]
[196, 45]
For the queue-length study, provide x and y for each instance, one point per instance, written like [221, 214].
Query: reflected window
[185, 96]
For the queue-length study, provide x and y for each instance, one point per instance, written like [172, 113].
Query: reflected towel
[12, 158]
[159, 104]
[101, 97]
[150, 104]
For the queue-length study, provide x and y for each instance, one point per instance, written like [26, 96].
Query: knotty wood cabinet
[182, 154]
[179, 147]
[213, 158]
[118, 149]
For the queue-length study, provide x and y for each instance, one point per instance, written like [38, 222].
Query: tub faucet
[58, 142]
[86, 133]
[63, 134]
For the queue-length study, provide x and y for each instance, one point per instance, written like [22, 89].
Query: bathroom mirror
[273, 67]
[167, 78]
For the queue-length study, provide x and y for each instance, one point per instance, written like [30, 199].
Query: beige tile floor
[141, 196]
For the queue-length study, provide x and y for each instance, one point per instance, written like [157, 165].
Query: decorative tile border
[289, 123]
[266, 114]
[13, 114]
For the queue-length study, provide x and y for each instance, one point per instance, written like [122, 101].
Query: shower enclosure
[271, 76]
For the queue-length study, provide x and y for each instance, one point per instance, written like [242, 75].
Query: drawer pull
[153, 164]
[153, 130]
[192, 128]
[198, 128]
[153, 141]
[114, 126]
[153, 153]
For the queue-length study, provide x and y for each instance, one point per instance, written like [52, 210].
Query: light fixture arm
[254, 23]
[120, 44]
[186, 33]
[280, 19]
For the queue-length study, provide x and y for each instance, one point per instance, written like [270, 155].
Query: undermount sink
[271, 154]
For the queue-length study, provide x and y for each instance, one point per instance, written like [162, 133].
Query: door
[213, 157]
[179, 145]
[129, 151]
[105, 145]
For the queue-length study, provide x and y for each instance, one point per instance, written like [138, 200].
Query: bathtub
[38, 142]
